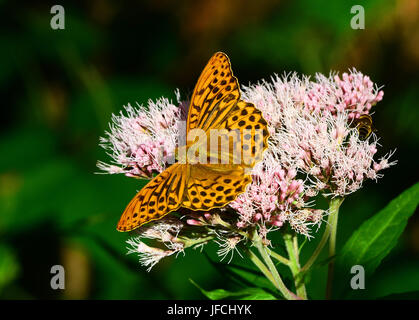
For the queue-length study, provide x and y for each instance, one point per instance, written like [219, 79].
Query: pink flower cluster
[353, 92]
[166, 232]
[356, 93]
[143, 141]
[310, 126]
[273, 193]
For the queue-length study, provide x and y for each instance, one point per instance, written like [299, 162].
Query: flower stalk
[334, 213]
[276, 278]
[278, 257]
[333, 210]
[291, 244]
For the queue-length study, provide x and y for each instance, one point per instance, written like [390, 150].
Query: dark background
[60, 87]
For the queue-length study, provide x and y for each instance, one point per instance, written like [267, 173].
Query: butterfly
[364, 126]
[215, 106]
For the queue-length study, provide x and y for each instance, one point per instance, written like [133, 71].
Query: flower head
[142, 141]
[274, 197]
[312, 132]
[353, 92]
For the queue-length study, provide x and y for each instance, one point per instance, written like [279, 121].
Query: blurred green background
[60, 87]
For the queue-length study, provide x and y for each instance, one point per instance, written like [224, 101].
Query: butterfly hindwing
[249, 122]
[214, 186]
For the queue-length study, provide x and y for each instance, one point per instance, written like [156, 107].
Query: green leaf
[377, 236]
[244, 294]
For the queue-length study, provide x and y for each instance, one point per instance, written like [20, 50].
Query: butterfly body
[226, 137]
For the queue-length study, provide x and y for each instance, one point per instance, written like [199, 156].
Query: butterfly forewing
[216, 105]
[162, 195]
[215, 93]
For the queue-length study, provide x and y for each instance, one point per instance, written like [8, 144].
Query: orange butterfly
[215, 105]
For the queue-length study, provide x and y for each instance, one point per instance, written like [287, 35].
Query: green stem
[192, 242]
[277, 281]
[334, 212]
[278, 257]
[254, 258]
[291, 244]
